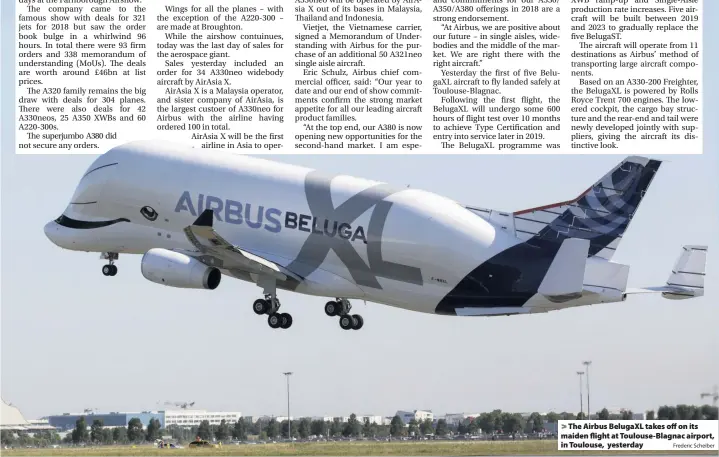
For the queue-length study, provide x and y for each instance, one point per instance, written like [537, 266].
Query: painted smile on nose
[85, 225]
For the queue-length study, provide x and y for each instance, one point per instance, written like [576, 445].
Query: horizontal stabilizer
[565, 278]
[687, 277]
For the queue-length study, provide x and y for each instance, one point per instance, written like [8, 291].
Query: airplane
[196, 214]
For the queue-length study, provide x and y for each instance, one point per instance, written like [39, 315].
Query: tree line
[490, 423]
[96, 433]
[684, 412]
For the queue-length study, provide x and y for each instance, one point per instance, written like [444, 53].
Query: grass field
[547, 447]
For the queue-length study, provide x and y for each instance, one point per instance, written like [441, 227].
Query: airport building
[11, 419]
[269, 418]
[616, 413]
[379, 420]
[373, 419]
[67, 421]
[181, 418]
[193, 417]
[418, 415]
[455, 419]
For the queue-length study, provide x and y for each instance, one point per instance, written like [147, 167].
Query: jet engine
[174, 269]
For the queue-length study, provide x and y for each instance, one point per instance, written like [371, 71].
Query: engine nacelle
[174, 269]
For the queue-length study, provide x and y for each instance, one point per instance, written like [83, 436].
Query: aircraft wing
[686, 279]
[225, 255]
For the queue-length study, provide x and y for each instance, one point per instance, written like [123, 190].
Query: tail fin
[601, 214]
[688, 274]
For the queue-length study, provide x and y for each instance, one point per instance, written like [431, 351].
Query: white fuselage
[401, 247]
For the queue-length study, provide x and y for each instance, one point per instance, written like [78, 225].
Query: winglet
[205, 219]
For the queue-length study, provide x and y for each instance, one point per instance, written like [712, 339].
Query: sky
[74, 339]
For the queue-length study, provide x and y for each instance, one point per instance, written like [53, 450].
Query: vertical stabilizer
[601, 214]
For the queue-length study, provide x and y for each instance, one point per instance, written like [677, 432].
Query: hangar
[12, 419]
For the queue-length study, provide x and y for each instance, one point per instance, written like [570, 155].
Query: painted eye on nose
[149, 213]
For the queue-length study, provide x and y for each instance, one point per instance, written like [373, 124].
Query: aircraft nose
[51, 229]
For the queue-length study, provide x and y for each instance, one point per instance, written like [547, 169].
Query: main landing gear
[110, 269]
[341, 307]
[270, 306]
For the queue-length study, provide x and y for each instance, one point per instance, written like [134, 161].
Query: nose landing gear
[110, 269]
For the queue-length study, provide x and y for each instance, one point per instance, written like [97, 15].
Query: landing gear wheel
[358, 321]
[331, 308]
[347, 322]
[260, 306]
[110, 269]
[286, 320]
[274, 320]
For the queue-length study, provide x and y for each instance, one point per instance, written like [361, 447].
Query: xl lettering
[317, 246]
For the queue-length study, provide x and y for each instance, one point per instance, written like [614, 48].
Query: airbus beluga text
[196, 215]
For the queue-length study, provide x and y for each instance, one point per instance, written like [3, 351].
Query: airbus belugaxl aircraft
[196, 214]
